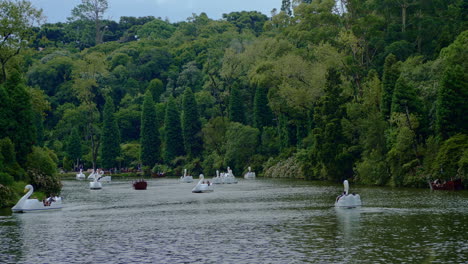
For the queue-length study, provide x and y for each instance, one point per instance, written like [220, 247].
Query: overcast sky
[174, 10]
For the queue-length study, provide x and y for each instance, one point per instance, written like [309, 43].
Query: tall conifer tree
[451, 106]
[389, 78]
[173, 131]
[262, 112]
[191, 125]
[110, 137]
[236, 107]
[149, 133]
[74, 147]
[19, 125]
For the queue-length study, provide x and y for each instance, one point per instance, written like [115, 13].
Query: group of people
[207, 182]
[48, 201]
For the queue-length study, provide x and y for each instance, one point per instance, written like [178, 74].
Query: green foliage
[156, 87]
[236, 107]
[262, 112]
[6, 179]
[173, 132]
[191, 125]
[17, 19]
[288, 168]
[451, 107]
[149, 135]
[389, 78]
[450, 162]
[110, 148]
[42, 171]
[74, 148]
[241, 144]
[18, 116]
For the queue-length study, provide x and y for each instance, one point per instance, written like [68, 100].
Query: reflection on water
[261, 221]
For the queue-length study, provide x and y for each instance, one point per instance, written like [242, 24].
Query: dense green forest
[369, 90]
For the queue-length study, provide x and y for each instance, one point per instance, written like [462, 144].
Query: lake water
[254, 221]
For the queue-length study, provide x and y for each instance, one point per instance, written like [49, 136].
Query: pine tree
[191, 125]
[149, 133]
[389, 78]
[236, 107]
[74, 147]
[404, 98]
[330, 146]
[19, 122]
[262, 112]
[110, 137]
[451, 106]
[157, 88]
[173, 132]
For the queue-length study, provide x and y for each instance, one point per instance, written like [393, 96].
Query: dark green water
[259, 221]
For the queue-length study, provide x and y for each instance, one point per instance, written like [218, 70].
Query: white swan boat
[34, 205]
[92, 176]
[80, 176]
[346, 199]
[202, 186]
[250, 175]
[186, 178]
[95, 184]
[229, 177]
[217, 179]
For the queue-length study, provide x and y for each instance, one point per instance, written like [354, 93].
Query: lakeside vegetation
[373, 91]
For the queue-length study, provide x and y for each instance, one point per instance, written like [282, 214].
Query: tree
[330, 146]
[149, 133]
[74, 147]
[110, 148]
[156, 87]
[173, 132]
[17, 19]
[241, 144]
[236, 108]
[18, 116]
[191, 125]
[262, 112]
[451, 106]
[389, 78]
[92, 10]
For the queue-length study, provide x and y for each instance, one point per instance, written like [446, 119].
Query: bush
[41, 170]
[6, 179]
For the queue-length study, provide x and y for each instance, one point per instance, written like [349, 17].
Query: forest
[374, 91]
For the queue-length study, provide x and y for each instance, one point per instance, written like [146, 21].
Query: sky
[174, 10]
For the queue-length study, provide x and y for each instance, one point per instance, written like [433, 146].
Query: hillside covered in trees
[375, 91]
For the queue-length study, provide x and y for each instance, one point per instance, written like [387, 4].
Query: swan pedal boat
[346, 199]
[80, 176]
[203, 187]
[250, 175]
[34, 205]
[186, 178]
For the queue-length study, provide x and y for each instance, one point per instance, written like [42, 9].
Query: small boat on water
[95, 184]
[250, 175]
[186, 178]
[346, 199]
[140, 185]
[202, 186]
[453, 185]
[158, 174]
[34, 205]
[80, 176]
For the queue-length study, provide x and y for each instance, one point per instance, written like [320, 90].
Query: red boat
[454, 185]
[140, 185]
